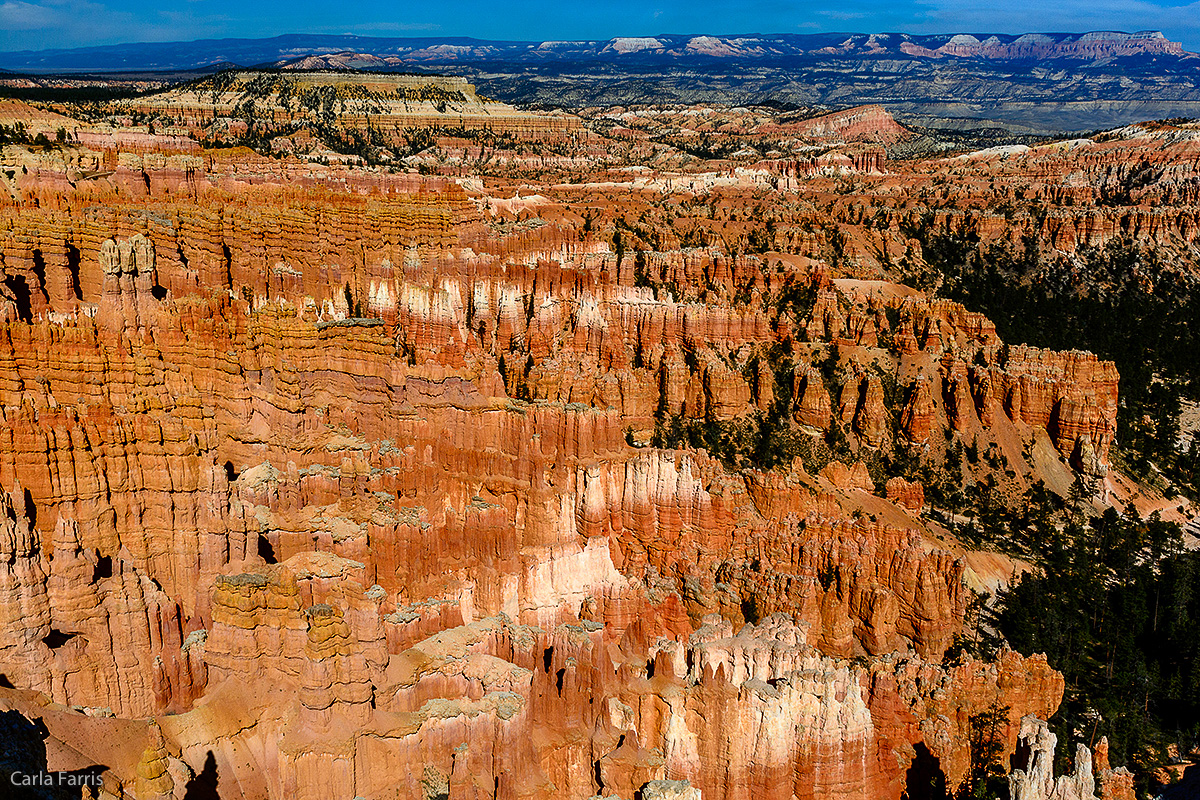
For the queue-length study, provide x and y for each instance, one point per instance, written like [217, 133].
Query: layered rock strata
[344, 479]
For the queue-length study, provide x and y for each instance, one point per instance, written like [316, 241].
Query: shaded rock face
[338, 486]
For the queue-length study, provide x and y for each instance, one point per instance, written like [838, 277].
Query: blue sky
[39, 24]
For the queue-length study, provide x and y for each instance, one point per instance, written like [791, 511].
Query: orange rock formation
[329, 481]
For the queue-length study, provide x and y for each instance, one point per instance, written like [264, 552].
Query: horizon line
[833, 32]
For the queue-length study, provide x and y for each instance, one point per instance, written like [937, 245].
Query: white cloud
[18, 16]
[79, 23]
[843, 15]
[378, 27]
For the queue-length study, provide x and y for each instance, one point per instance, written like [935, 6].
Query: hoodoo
[362, 437]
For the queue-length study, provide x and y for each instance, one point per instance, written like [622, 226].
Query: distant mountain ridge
[363, 52]
[1047, 82]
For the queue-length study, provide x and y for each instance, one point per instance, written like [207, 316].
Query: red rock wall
[360, 555]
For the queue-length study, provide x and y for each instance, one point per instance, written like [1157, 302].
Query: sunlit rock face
[326, 481]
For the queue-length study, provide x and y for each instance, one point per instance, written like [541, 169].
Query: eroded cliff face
[343, 479]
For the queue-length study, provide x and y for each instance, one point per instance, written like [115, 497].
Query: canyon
[374, 474]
